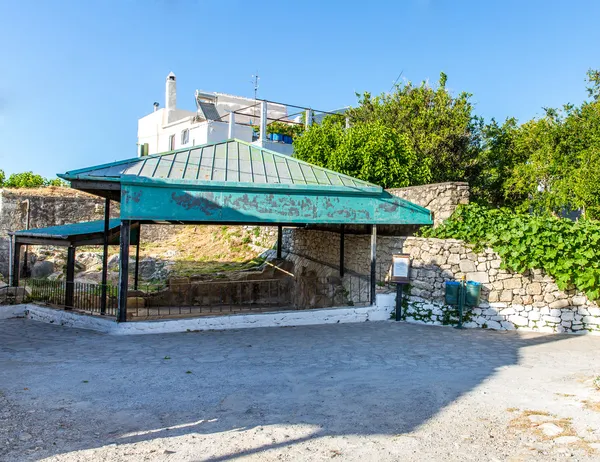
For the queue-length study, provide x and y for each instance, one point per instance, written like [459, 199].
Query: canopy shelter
[233, 182]
[100, 232]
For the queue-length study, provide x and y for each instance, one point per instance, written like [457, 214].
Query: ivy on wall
[566, 250]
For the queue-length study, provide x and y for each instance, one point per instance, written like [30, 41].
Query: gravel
[370, 391]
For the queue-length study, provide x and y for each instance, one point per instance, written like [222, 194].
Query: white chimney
[170, 94]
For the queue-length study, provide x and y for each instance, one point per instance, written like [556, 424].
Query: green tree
[2, 178]
[438, 126]
[370, 151]
[24, 180]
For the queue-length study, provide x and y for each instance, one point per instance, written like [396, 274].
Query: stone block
[535, 288]
[513, 283]
[453, 259]
[519, 321]
[567, 316]
[594, 311]
[495, 264]
[506, 296]
[554, 312]
[591, 320]
[551, 319]
[135, 302]
[549, 298]
[494, 325]
[467, 266]
[578, 300]
[534, 315]
[507, 325]
[507, 311]
[479, 276]
[558, 304]
[42, 269]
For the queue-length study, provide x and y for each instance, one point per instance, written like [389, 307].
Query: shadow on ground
[76, 389]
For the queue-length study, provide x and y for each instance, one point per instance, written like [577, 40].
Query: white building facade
[219, 116]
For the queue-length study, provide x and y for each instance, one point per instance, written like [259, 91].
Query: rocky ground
[371, 391]
[183, 251]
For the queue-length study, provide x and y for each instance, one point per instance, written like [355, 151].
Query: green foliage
[548, 165]
[438, 127]
[29, 180]
[282, 128]
[24, 180]
[371, 152]
[566, 250]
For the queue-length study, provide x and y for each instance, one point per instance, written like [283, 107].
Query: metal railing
[86, 297]
[200, 298]
[210, 298]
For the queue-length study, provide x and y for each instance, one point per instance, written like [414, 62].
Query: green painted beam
[145, 201]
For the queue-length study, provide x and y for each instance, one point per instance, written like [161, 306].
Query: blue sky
[76, 75]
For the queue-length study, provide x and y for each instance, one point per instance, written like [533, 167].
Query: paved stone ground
[370, 391]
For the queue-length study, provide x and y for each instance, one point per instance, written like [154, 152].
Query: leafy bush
[24, 180]
[370, 151]
[566, 250]
[28, 180]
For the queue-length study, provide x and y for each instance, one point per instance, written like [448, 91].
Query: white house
[219, 116]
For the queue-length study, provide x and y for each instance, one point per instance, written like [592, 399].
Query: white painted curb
[380, 312]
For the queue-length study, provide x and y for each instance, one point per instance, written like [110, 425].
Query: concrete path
[369, 391]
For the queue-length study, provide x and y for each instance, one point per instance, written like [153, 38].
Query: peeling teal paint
[145, 201]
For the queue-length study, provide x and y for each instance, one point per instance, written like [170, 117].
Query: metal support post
[70, 283]
[123, 270]
[16, 264]
[373, 263]
[399, 301]
[137, 259]
[105, 256]
[342, 239]
[279, 240]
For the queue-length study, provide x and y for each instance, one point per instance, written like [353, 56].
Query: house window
[171, 142]
[185, 136]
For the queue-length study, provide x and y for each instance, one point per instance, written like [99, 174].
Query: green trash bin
[473, 296]
[452, 292]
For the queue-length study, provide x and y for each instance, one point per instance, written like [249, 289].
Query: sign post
[401, 276]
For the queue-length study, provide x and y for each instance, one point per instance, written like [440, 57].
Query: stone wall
[441, 198]
[530, 301]
[53, 207]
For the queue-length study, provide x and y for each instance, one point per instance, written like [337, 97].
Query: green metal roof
[84, 233]
[67, 231]
[231, 162]
[237, 182]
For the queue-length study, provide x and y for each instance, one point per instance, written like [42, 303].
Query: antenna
[396, 81]
[254, 81]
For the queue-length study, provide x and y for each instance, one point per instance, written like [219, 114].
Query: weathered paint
[167, 201]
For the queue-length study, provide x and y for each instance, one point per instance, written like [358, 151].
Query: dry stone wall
[440, 198]
[529, 301]
[68, 206]
[509, 301]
